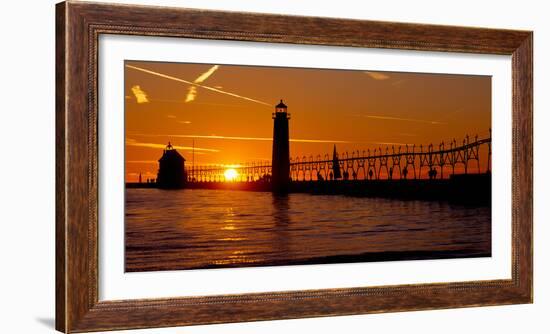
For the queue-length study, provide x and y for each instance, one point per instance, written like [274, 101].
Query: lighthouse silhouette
[280, 159]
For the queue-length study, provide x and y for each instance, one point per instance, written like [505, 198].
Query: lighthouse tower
[280, 160]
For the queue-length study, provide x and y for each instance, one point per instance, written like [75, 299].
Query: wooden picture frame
[78, 26]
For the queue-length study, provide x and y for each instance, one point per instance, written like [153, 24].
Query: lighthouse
[280, 159]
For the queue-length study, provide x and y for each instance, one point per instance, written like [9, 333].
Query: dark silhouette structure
[408, 172]
[386, 164]
[280, 160]
[336, 165]
[171, 173]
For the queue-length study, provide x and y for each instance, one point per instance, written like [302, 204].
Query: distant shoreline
[332, 259]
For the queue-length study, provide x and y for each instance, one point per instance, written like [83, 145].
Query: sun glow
[230, 174]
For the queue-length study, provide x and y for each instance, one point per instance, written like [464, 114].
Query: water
[186, 229]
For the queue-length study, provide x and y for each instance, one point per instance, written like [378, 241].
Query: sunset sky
[226, 110]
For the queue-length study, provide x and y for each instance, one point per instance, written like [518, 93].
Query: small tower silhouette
[171, 173]
[280, 160]
[336, 164]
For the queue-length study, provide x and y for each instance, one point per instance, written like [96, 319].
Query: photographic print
[243, 166]
[286, 167]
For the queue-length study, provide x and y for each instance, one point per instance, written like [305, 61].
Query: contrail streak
[401, 119]
[141, 161]
[182, 101]
[389, 143]
[132, 142]
[196, 84]
[377, 75]
[248, 138]
[320, 141]
[206, 74]
[192, 92]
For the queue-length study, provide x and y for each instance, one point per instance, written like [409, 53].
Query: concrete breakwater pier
[459, 188]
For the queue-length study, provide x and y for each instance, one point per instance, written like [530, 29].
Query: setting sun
[230, 174]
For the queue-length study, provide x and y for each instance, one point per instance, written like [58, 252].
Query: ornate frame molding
[78, 26]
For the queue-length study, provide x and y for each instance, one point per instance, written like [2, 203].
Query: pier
[449, 171]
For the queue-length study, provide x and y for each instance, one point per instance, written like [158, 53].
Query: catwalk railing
[401, 162]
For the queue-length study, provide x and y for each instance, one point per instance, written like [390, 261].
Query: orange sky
[226, 110]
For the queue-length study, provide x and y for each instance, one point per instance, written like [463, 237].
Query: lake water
[189, 229]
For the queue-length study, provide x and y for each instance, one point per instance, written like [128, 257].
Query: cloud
[183, 101]
[198, 85]
[146, 173]
[191, 94]
[141, 161]
[319, 141]
[185, 122]
[141, 96]
[206, 74]
[377, 75]
[390, 118]
[247, 138]
[450, 115]
[261, 139]
[398, 82]
[390, 143]
[133, 142]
